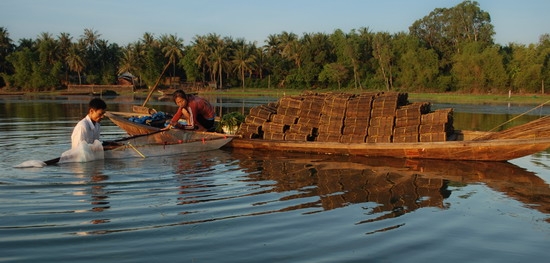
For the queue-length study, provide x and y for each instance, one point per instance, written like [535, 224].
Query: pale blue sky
[125, 21]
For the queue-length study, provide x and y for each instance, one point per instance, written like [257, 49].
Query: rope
[510, 120]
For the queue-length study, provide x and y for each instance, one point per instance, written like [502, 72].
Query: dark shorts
[208, 124]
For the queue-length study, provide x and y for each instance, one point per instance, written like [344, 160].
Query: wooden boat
[169, 142]
[483, 150]
[153, 141]
[380, 125]
[121, 119]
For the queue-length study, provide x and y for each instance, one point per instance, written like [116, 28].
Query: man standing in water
[88, 129]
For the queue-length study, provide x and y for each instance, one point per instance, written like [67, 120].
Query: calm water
[244, 206]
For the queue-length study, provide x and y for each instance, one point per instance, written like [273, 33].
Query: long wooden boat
[380, 125]
[485, 150]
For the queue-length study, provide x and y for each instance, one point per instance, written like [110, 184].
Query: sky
[125, 21]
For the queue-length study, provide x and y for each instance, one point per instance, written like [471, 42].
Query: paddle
[56, 160]
[142, 108]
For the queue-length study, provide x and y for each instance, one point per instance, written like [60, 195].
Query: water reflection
[386, 187]
[91, 175]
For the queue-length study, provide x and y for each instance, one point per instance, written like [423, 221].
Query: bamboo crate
[438, 116]
[274, 127]
[355, 130]
[309, 113]
[433, 137]
[290, 136]
[289, 102]
[328, 137]
[288, 111]
[313, 122]
[274, 136]
[250, 128]
[380, 131]
[434, 128]
[415, 109]
[353, 138]
[262, 112]
[283, 119]
[407, 121]
[382, 121]
[379, 139]
[299, 128]
[254, 120]
[406, 130]
[361, 121]
[406, 138]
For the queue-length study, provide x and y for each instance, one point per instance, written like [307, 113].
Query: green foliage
[450, 49]
[230, 121]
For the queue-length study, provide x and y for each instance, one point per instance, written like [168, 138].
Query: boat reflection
[388, 187]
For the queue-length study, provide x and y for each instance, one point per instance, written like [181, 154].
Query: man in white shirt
[88, 129]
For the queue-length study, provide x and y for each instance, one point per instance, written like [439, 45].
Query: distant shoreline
[456, 98]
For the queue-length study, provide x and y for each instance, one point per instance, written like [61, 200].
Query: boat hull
[490, 150]
[133, 148]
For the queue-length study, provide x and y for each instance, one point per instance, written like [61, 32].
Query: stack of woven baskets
[348, 118]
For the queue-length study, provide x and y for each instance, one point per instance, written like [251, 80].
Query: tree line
[450, 49]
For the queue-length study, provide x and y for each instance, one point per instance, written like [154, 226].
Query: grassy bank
[460, 98]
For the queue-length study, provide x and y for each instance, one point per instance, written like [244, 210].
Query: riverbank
[460, 98]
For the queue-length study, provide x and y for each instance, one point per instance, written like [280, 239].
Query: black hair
[179, 94]
[97, 103]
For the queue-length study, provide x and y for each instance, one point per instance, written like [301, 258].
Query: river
[245, 206]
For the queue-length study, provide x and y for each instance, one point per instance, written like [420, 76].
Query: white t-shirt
[85, 130]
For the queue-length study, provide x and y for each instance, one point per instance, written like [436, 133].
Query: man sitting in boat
[196, 111]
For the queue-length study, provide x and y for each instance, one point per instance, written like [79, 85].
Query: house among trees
[126, 79]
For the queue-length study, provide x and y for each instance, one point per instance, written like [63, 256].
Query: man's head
[96, 109]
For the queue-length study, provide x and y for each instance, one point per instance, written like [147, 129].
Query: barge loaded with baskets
[380, 124]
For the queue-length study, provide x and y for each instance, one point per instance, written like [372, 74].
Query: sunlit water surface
[244, 206]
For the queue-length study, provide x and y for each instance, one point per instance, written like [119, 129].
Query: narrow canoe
[151, 141]
[155, 145]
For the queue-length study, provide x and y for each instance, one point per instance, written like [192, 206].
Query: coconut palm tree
[218, 57]
[172, 49]
[244, 59]
[89, 39]
[76, 61]
[203, 51]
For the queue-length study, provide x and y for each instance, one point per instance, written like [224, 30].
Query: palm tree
[48, 48]
[75, 61]
[290, 47]
[218, 57]
[244, 59]
[65, 41]
[89, 39]
[203, 53]
[149, 40]
[6, 48]
[173, 49]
